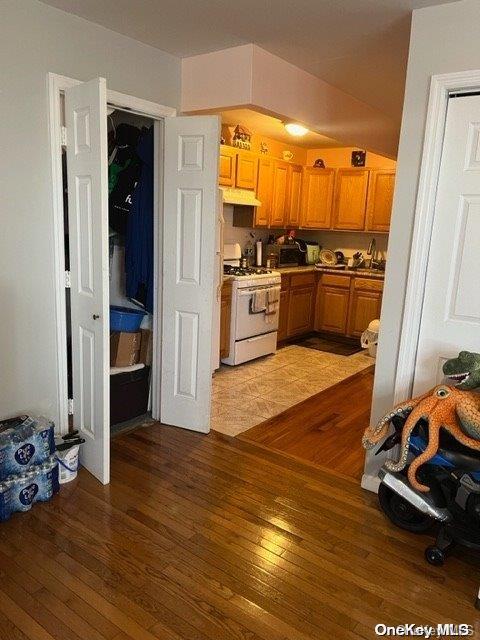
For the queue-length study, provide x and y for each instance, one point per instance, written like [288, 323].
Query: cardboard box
[124, 348]
[146, 346]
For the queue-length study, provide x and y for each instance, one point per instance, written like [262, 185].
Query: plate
[327, 257]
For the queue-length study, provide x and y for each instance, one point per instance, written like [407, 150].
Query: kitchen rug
[340, 347]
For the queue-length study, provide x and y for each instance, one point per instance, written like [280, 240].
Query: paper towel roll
[259, 253]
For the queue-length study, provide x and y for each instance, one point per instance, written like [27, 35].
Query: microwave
[288, 255]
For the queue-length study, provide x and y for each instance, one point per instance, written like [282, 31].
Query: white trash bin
[67, 464]
[369, 339]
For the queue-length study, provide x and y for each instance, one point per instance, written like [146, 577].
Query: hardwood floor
[326, 429]
[214, 538]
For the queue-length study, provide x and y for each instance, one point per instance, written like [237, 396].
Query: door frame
[56, 85]
[441, 86]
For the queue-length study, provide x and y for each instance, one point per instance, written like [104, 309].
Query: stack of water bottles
[28, 468]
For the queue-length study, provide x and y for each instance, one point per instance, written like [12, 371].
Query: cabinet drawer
[302, 279]
[331, 280]
[285, 282]
[368, 284]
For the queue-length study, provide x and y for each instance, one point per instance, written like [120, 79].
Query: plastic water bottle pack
[19, 492]
[24, 441]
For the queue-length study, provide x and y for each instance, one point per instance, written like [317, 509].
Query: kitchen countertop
[362, 273]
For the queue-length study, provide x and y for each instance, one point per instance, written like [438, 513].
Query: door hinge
[63, 136]
[68, 280]
[70, 406]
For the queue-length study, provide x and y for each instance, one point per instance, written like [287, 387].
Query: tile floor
[248, 394]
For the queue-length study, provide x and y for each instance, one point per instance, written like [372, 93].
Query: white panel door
[451, 309]
[188, 297]
[87, 172]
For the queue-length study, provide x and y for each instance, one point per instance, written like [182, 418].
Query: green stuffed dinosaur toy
[464, 370]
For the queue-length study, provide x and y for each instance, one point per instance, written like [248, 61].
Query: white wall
[444, 39]
[36, 39]
[249, 76]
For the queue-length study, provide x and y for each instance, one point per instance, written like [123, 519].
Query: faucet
[372, 251]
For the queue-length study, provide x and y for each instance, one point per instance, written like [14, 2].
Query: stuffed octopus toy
[453, 408]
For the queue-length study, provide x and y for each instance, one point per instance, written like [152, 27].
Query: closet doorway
[179, 296]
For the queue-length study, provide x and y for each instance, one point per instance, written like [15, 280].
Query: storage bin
[129, 395]
[126, 319]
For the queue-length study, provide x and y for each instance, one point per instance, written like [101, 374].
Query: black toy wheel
[401, 512]
[435, 556]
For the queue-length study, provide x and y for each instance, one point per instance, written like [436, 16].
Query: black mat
[340, 346]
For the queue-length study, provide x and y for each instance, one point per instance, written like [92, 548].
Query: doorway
[185, 186]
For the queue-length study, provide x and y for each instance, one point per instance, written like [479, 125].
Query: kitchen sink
[367, 270]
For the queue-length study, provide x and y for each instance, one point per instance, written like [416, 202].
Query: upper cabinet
[350, 205]
[380, 199]
[317, 196]
[227, 166]
[279, 193]
[247, 165]
[294, 196]
[264, 191]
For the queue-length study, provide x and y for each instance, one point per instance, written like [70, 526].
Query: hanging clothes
[139, 236]
[123, 175]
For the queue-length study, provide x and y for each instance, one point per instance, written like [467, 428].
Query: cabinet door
[264, 191]
[247, 165]
[279, 195]
[351, 188]
[283, 316]
[294, 195]
[364, 307]
[365, 304]
[380, 198]
[300, 310]
[317, 198]
[227, 166]
[225, 313]
[332, 309]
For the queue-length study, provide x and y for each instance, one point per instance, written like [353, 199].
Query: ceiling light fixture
[295, 129]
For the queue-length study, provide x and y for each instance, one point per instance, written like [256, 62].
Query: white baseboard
[370, 483]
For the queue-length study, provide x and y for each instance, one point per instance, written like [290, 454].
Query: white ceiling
[271, 127]
[359, 46]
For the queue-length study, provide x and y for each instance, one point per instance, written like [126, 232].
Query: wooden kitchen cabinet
[294, 197]
[279, 193]
[300, 310]
[331, 311]
[283, 315]
[246, 171]
[365, 304]
[350, 201]
[264, 191]
[227, 166]
[380, 199]
[225, 315]
[301, 304]
[317, 198]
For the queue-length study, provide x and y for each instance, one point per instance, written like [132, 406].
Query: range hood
[243, 197]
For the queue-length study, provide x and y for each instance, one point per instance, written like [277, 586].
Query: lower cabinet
[300, 310]
[340, 304]
[225, 313]
[283, 316]
[332, 309]
[365, 304]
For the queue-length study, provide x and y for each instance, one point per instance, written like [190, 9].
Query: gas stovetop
[229, 270]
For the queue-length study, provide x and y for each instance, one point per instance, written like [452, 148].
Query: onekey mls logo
[24, 454]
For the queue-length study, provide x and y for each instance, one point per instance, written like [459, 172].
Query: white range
[253, 333]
